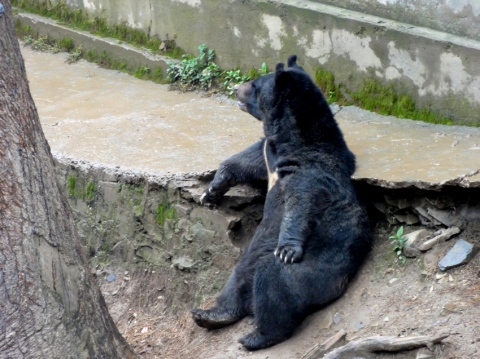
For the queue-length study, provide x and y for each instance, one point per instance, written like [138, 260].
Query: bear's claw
[289, 254]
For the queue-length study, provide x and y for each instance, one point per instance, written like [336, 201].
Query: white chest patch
[272, 172]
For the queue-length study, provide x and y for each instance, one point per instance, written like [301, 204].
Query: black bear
[314, 233]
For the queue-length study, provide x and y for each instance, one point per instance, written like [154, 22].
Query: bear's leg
[231, 306]
[277, 309]
[246, 167]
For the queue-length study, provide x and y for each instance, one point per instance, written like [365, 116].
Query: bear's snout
[243, 92]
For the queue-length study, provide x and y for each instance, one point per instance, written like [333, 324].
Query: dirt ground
[385, 298]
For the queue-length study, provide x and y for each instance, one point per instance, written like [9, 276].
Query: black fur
[314, 233]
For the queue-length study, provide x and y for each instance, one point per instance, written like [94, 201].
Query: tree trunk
[50, 304]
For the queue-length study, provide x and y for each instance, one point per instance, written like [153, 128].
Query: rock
[447, 217]
[327, 321]
[469, 212]
[425, 218]
[337, 317]
[151, 255]
[183, 263]
[449, 308]
[410, 247]
[461, 253]
[359, 325]
[437, 237]
[391, 281]
[425, 353]
[111, 277]
[407, 218]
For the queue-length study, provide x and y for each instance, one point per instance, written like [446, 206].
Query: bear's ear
[281, 76]
[292, 61]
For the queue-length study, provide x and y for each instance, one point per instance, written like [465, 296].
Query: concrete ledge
[142, 126]
[134, 57]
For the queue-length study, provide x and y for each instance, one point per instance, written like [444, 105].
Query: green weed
[325, 80]
[89, 193]
[75, 55]
[376, 97]
[398, 241]
[195, 72]
[232, 78]
[67, 44]
[42, 43]
[71, 186]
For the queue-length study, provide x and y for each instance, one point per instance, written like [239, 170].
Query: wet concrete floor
[111, 118]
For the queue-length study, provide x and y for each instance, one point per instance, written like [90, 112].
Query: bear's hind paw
[212, 318]
[256, 341]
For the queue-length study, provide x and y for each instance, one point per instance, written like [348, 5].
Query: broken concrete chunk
[410, 248]
[447, 217]
[437, 237]
[407, 218]
[425, 218]
[461, 253]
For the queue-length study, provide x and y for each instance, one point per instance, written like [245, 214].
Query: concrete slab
[110, 118]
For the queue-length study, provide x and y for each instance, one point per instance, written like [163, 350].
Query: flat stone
[111, 277]
[461, 253]
[336, 318]
[359, 325]
[327, 321]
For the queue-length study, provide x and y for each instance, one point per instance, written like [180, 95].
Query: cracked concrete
[109, 118]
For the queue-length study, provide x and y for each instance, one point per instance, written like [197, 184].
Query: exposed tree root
[385, 344]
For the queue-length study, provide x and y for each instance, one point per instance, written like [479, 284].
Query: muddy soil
[385, 298]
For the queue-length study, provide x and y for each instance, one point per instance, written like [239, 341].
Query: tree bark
[50, 304]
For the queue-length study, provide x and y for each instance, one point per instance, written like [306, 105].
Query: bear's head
[285, 93]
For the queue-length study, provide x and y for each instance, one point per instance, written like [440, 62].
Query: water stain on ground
[109, 117]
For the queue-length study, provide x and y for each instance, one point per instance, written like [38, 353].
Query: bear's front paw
[210, 196]
[289, 253]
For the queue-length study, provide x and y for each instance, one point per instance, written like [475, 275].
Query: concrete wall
[459, 17]
[135, 221]
[438, 69]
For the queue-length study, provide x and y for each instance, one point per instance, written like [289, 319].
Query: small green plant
[142, 72]
[75, 55]
[90, 191]
[71, 186]
[254, 73]
[195, 72]
[42, 43]
[398, 241]
[231, 79]
[67, 44]
[263, 69]
[325, 80]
